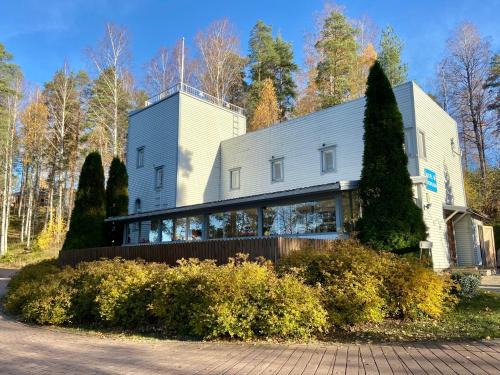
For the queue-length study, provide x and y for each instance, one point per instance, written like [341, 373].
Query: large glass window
[216, 225]
[167, 230]
[300, 218]
[241, 223]
[351, 208]
[195, 228]
[154, 231]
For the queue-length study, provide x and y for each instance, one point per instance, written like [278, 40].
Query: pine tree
[337, 48]
[391, 220]
[271, 58]
[266, 111]
[116, 199]
[87, 219]
[389, 57]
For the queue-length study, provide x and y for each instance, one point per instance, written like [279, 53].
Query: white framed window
[140, 157]
[328, 159]
[234, 178]
[422, 148]
[277, 170]
[408, 145]
[159, 178]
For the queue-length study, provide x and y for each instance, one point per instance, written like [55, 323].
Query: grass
[472, 319]
[17, 255]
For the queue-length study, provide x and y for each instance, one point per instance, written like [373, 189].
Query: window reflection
[241, 223]
[300, 218]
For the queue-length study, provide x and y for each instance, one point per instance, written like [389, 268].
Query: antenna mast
[182, 62]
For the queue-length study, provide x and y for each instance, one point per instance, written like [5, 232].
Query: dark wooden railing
[272, 248]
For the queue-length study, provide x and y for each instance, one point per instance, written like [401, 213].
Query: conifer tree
[87, 219]
[391, 220]
[337, 48]
[116, 199]
[272, 58]
[389, 57]
[266, 111]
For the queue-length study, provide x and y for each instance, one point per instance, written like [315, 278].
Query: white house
[195, 174]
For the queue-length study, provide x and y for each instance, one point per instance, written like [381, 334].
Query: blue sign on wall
[431, 182]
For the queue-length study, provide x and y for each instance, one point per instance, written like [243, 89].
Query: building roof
[242, 201]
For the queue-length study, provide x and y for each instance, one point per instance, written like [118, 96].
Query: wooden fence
[271, 248]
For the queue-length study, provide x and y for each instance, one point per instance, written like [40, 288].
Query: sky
[43, 34]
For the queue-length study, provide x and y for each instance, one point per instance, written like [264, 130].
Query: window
[300, 218]
[422, 151]
[328, 159]
[140, 157]
[277, 170]
[234, 176]
[230, 224]
[158, 178]
[137, 207]
[408, 144]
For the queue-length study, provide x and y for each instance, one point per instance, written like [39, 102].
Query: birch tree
[10, 94]
[110, 98]
[62, 97]
[34, 120]
[164, 69]
[221, 64]
[464, 72]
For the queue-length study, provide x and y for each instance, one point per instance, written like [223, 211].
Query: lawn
[475, 318]
[17, 256]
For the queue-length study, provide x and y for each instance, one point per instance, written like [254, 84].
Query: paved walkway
[491, 283]
[34, 350]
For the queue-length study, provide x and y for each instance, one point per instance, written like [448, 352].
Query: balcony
[182, 87]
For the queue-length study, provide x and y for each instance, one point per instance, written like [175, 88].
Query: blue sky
[42, 34]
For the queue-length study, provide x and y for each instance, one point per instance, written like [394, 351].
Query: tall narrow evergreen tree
[116, 200]
[87, 219]
[391, 220]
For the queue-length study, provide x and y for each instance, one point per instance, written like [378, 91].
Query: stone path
[34, 350]
[491, 283]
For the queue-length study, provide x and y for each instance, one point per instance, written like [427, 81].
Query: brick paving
[36, 350]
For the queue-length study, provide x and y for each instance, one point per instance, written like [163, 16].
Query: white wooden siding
[155, 128]
[299, 142]
[439, 128]
[202, 127]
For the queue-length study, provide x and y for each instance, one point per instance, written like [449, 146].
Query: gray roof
[242, 202]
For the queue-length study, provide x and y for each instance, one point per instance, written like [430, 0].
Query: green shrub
[40, 293]
[240, 300]
[114, 293]
[468, 284]
[415, 291]
[360, 285]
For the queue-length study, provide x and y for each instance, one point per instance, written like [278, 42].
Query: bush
[40, 293]
[360, 285]
[240, 300]
[468, 284]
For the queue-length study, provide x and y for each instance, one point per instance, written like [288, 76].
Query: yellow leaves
[267, 112]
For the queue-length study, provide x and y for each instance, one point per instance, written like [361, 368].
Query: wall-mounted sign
[430, 182]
